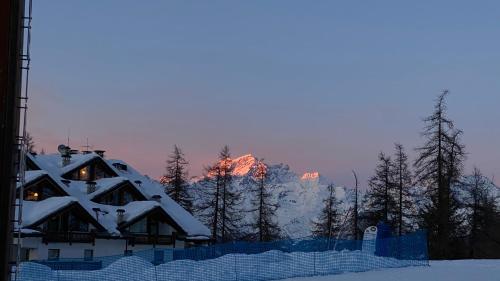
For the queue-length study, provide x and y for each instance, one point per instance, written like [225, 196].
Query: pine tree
[380, 204]
[329, 222]
[437, 168]
[403, 183]
[479, 202]
[220, 206]
[175, 179]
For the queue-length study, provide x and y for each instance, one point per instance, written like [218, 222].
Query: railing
[156, 240]
[71, 237]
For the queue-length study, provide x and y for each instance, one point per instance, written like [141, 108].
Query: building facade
[82, 205]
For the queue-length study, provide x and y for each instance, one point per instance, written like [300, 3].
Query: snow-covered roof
[107, 218]
[31, 176]
[183, 218]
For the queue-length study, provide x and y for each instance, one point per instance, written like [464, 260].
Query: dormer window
[94, 170]
[41, 190]
[120, 195]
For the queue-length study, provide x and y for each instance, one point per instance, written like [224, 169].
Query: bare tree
[437, 169]
[329, 222]
[267, 229]
[403, 182]
[380, 204]
[220, 206]
[479, 201]
[175, 179]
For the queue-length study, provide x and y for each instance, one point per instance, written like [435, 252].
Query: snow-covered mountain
[300, 196]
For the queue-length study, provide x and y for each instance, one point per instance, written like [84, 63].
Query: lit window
[31, 195]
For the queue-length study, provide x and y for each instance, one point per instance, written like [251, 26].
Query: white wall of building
[102, 247]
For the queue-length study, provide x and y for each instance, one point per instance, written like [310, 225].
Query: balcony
[70, 237]
[154, 240]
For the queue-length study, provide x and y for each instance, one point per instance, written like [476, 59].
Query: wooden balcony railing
[70, 237]
[150, 239]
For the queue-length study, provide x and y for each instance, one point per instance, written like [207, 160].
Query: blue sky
[319, 85]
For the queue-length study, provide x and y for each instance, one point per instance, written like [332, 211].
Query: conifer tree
[267, 229]
[329, 222]
[403, 183]
[379, 199]
[175, 179]
[437, 169]
[220, 207]
[479, 202]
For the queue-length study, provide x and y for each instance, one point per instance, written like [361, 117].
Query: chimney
[66, 182]
[65, 154]
[120, 214]
[96, 210]
[156, 198]
[138, 182]
[100, 152]
[91, 186]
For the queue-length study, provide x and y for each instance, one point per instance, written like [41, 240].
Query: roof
[31, 176]
[107, 218]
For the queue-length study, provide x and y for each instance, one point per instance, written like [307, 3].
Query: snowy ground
[464, 270]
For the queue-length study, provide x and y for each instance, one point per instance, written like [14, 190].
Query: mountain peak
[243, 164]
[310, 176]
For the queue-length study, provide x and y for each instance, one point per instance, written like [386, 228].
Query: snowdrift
[272, 265]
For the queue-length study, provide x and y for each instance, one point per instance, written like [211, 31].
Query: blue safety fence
[240, 261]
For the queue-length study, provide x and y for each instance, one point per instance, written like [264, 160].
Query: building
[82, 205]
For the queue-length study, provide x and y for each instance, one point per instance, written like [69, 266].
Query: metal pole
[355, 206]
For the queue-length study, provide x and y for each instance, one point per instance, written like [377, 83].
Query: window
[31, 195]
[25, 254]
[140, 226]
[54, 254]
[88, 255]
[66, 222]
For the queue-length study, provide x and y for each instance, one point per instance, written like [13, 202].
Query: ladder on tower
[21, 145]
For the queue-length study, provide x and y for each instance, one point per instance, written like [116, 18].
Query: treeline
[458, 211]
[219, 203]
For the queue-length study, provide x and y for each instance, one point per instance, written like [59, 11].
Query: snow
[243, 164]
[300, 196]
[462, 270]
[150, 187]
[51, 164]
[34, 211]
[30, 176]
[272, 265]
[310, 176]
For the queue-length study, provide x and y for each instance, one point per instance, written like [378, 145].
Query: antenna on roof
[87, 147]
[68, 137]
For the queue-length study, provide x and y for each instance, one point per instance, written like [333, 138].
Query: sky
[319, 85]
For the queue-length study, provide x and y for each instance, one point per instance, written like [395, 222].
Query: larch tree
[265, 225]
[479, 201]
[175, 179]
[30, 143]
[403, 185]
[437, 168]
[380, 203]
[329, 221]
[220, 205]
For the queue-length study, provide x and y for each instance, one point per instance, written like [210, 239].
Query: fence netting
[239, 261]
